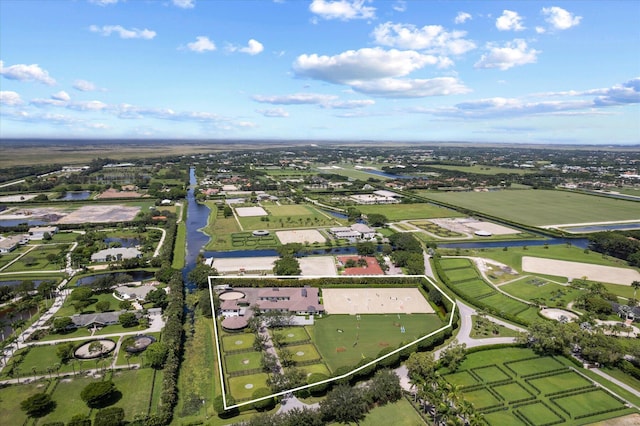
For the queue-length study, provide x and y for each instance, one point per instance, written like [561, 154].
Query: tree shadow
[112, 399]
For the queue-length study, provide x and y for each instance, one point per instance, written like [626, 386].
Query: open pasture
[41, 258]
[542, 207]
[287, 217]
[395, 212]
[475, 288]
[374, 301]
[530, 288]
[290, 210]
[343, 340]
[559, 382]
[585, 403]
[292, 335]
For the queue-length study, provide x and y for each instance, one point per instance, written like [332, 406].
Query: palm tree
[636, 286]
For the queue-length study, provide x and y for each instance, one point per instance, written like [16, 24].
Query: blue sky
[485, 71]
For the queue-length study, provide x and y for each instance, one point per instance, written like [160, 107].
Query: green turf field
[395, 212]
[512, 386]
[242, 361]
[551, 294]
[543, 207]
[302, 353]
[243, 387]
[342, 340]
[237, 342]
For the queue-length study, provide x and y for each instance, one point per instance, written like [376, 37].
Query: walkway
[161, 242]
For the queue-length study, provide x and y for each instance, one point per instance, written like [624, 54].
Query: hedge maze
[247, 239]
[536, 391]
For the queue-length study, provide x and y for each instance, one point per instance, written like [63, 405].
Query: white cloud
[431, 38]
[363, 64]
[202, 44]
[344, 10]
[103, 2]
[274, 112]
[353, 104]
[295, 99]
[84, 86]
[509, 21]
[513, 53]
[540, 30]
[88, 106]
[253, 48]
[462, 17]
[184, 4]
[22, 72]
[10, 98]
[107, 30]
[400, 6]
[61, 96]
[626, 93]
[560, 19]
[411, 88]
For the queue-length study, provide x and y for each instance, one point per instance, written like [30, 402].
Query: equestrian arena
[355, 301]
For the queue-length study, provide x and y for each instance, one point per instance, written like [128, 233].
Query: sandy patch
[467, 225]
[300, 236]
[17, 198]
[318, 265]
[251, 211]
[101, 213]
[250, 264]
[114, 193]
[563, 268]
[374, 301]
[555, 314]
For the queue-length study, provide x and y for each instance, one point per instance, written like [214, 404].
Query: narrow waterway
[197, 217]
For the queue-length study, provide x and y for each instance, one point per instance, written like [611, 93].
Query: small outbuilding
[260, 233]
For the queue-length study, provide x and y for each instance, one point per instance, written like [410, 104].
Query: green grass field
[136, 387]
[395, 212]
[399, 413]
[237, 342]
[287, 217]
[302, 353]
[11, 397]
[37, 259]
[542, 207]
[292, 334]
[499, 386]
[552, 294]
[243, 387]
[375, 333]
[242, 361]
[483, 170]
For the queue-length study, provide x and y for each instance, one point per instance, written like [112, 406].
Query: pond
[577, 242]
[75, 195]
[16, 222]
[135, 276]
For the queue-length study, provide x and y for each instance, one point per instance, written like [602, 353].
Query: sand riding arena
[375, 301]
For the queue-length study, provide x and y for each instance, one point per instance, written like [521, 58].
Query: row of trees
[621, 244]
[343, 404]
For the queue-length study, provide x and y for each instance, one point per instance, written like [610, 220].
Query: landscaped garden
[515, 386]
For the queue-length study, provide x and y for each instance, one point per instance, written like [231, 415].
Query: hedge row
[488, 308]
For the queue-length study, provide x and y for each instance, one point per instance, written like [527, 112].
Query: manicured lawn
[542, 207]
[395, 212]
[462, 274]
[539, 414]
[481, 398]
[36, 259]
[367, 336]
[400, 413]
[534, 365]
[288, 216]
[136, 387]
[242, 361]
[455, 262]
[589, 402]
[11, 397]
[67, 309]
[303, 353]
[40, 358]
[520, 396]
[67, 397]
[486, 329]
[292, 334]
[491, 373]
[315, 368]
[475, 288]
[512, 392]
[505, 304]
[551, 293]
[461, 378]
[236, 342]
[243, 387]
[557, 382]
